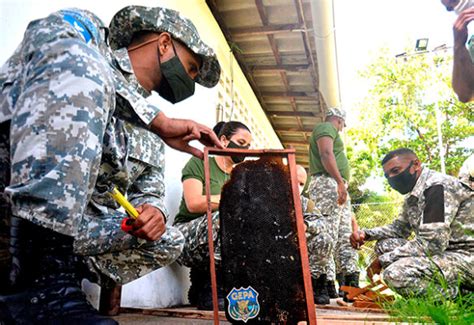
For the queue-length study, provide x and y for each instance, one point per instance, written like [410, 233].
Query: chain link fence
[370, 215]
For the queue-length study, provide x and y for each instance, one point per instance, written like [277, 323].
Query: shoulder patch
[434, 204]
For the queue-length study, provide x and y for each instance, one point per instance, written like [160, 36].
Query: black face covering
[176, 85]
[233, 145]
[403, 182]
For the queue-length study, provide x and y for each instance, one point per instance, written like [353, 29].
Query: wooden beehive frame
[289, 154]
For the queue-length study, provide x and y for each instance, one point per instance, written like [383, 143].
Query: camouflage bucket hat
[338, 112]
[132, 19]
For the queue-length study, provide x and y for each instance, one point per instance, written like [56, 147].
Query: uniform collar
[125, 65]
[419, 187]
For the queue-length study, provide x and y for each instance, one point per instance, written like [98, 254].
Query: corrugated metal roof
[275, 49]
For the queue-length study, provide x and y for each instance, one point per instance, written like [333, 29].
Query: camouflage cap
[338, 112]
[132, 19]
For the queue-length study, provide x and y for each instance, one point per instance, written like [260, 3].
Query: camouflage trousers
[323, 191]
[413, 275]
[345, 257]
[5, 212]
[196, 249]
[127, 265]
[319, 243]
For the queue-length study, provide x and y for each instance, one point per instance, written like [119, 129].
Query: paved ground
[335, 315]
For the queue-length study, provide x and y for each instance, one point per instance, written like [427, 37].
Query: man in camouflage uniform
[318, 239]
[329, 169]
[438, 209]
[79, 124]
[466, 173]
[345, 256]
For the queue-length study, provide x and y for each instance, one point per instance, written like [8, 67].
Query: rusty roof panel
[279, 60]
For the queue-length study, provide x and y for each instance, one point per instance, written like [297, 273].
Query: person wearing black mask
[439, 210]
[191, 219]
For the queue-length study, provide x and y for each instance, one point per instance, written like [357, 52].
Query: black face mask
[176, 85]
[233, 145]
[403, 182]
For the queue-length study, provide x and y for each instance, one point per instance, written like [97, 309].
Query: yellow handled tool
[127, 222]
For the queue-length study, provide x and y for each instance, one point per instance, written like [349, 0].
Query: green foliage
[400, 111]
[434, 307]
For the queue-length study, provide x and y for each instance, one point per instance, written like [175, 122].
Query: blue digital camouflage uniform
[69, 102]
[439, 211]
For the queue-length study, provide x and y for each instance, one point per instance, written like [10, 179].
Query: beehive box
[261, 263]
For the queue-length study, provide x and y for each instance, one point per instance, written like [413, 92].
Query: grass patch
[434, 307]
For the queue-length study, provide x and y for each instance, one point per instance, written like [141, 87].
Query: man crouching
[439, 210]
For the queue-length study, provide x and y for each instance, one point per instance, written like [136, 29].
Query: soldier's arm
[463, 67]
[400, 228]
[178, 133]
[149, 188]
[434, 230]
[195, 201]
[325, 148]
[103, 235]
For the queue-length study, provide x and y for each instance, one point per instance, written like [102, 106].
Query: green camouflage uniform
[69, 98]
[439, 211]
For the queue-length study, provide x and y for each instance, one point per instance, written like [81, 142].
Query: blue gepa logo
[243, 304]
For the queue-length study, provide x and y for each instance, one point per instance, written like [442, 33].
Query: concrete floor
[129, 319]
[336, 315]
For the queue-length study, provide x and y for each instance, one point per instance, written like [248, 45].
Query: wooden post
[290, 155]
[207, 175]
[308, 287]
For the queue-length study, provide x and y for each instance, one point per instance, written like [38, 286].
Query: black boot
[45, 280]
[204, 295]
[110, 296]
[205, 298]
[332, 293]
[198, 277]
[320, 290]
[340, 282]
[351, 280]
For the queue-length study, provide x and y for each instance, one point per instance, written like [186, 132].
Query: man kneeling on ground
[439, 210]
